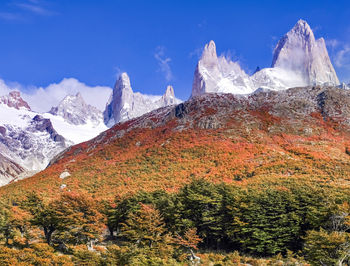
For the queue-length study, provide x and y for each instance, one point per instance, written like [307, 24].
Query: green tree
[145, 230]
[327, 248]
[42, 215]
[71, 218]
[199, 205]
[271, 220]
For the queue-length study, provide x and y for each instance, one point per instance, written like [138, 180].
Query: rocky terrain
[75, 111]
[296, 133]
[124, 104]
[298, 60]
[30, 140]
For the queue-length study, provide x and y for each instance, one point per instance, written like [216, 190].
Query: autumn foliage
[247, 184]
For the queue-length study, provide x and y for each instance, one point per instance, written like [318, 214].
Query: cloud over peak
[42, 99]
[163, 63]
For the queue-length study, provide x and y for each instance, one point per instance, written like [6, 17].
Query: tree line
[312, 221]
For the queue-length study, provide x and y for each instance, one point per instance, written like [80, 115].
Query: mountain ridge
[294, 133]
[298, 60]
[124, 104]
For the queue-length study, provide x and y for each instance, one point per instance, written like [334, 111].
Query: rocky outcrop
[14, 100]
[124, 104]
[33, 145]
[9, 170]
[299, 60]
[42, 124]
[76, 111]
[215, 74]
[298, 51]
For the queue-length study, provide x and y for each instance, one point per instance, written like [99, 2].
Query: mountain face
[14, 100]
[76, 120]
[75, 111]
[215, 74]
[124, 104]
[28, 140]
[9, 170]
[267, 136]
[299, 52]
[299, 60]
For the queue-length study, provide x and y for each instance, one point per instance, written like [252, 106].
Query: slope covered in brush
[297, 134]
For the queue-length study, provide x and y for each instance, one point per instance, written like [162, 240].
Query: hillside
[300, 134]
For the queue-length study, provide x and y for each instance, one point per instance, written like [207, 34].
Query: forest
[272, 223]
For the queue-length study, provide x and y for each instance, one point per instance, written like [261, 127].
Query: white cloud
[4, 89]
[19, 9]
[196, 53]
[42, 99]
[342, 57]
[332, 43]
[163, 63]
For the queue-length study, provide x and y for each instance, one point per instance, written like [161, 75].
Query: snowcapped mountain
[298, 60]
[124, 104]
[28, 140]
[215, 74]
[76, 120]
[9, 170]
[75, 111]
[299, 52]
[14, 100]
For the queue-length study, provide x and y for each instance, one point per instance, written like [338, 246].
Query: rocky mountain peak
[299, 41]
[300, 52]
[298, 60]
[302, 28]
[123, 83]
[124, 104]
[76, 111]
[14, 100]
[118, 106]
[169, 91]
[169, 97]
[215, 74]
[209, 56]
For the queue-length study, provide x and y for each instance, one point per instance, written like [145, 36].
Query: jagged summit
[299, 37]
[14, 100]
[124, 104]
[124, 81]
[76, 111]
[169, 91]
[169, 96]
[209, 56]
[215, 74]
[118, 104]
[298, 60]
[300, 52]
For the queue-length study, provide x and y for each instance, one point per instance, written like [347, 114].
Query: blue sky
[156, 42]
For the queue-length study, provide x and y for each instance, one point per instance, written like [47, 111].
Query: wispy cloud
[342, 57]
[35, 7]
[41, 99]
[332, 43]
[17, 10]
[163, 63]
[196, 53]
[117, 72]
